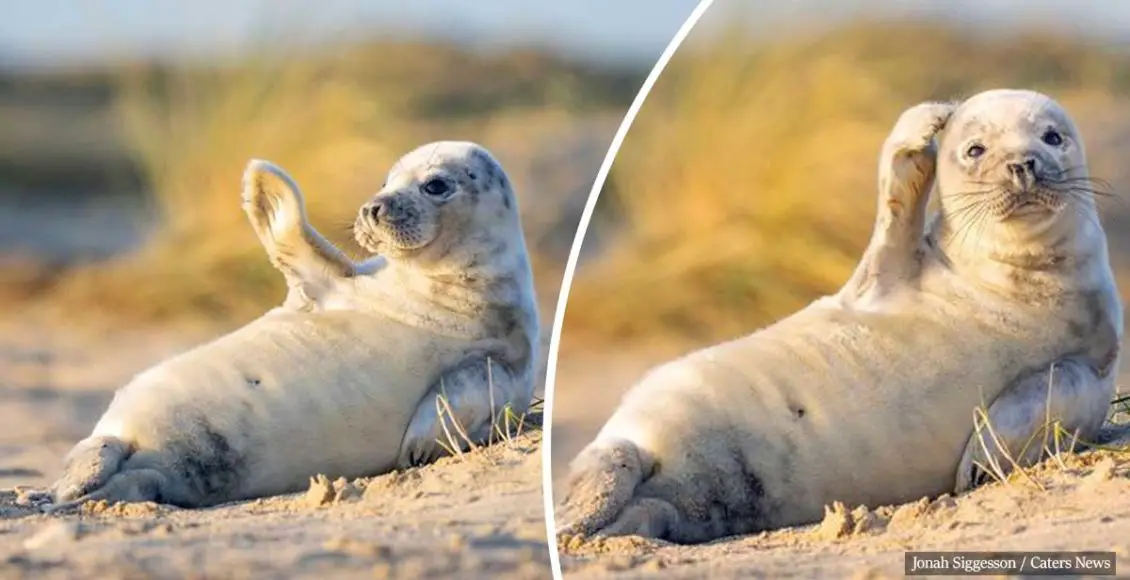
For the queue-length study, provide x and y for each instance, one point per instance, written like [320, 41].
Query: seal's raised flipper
[471, 401]
[277, 211]
[1057, 409]
[906, 176]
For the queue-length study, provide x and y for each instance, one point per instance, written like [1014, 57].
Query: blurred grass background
[119, 184]
[746, 187]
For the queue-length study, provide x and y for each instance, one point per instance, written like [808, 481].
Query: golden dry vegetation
[336, 121]
[745, 188]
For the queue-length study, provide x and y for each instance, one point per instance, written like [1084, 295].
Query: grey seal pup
[344, 378]
[1004, 301]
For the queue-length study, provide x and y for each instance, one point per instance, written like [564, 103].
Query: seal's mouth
[1028, 186]
[385, 236]
[1033, 198]
[392, 223]
[1040, 199]
[364, 236]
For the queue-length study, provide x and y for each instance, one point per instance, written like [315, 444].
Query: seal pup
[494, 261]
[343, 378]
[1005, 301]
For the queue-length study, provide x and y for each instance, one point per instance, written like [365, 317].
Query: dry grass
[193, 132]
[506, 423]
[336, 122]
[746, 186]
[1121, 412]
[1057, 446]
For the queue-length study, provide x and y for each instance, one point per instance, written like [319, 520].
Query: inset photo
[278, 278]
[851, 291]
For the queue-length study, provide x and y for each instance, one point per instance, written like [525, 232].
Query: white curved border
[571, 265]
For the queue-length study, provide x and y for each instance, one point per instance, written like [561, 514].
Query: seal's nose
[1023, 169]
[1023, 172]
[377, 210]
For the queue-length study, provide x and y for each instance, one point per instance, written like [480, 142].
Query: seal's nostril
[377, 211]
[1026, 167]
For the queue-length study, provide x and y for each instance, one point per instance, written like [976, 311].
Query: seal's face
[1010, 155]
[433, 199]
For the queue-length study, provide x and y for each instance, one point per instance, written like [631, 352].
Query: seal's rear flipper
[135, 485]
[600, 494]
[88, 466]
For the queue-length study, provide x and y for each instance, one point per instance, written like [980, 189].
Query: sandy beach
[1081, 504]
[479, 515]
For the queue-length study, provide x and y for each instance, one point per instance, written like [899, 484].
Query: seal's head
[442, 202]
[1012, 160]
[448, 219]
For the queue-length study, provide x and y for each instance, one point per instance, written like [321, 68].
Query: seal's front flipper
[1114, 435]
[277, 211]
[906, 176]
[1058, 409]
[469, 405]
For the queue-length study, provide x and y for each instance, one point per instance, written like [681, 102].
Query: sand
[479, 515]
[1082, 503]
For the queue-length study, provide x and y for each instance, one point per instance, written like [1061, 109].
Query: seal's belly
[294, 394]
[830, 405]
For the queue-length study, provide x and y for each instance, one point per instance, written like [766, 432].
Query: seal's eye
[437, 187]
[975, 150]
[1053, 138]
